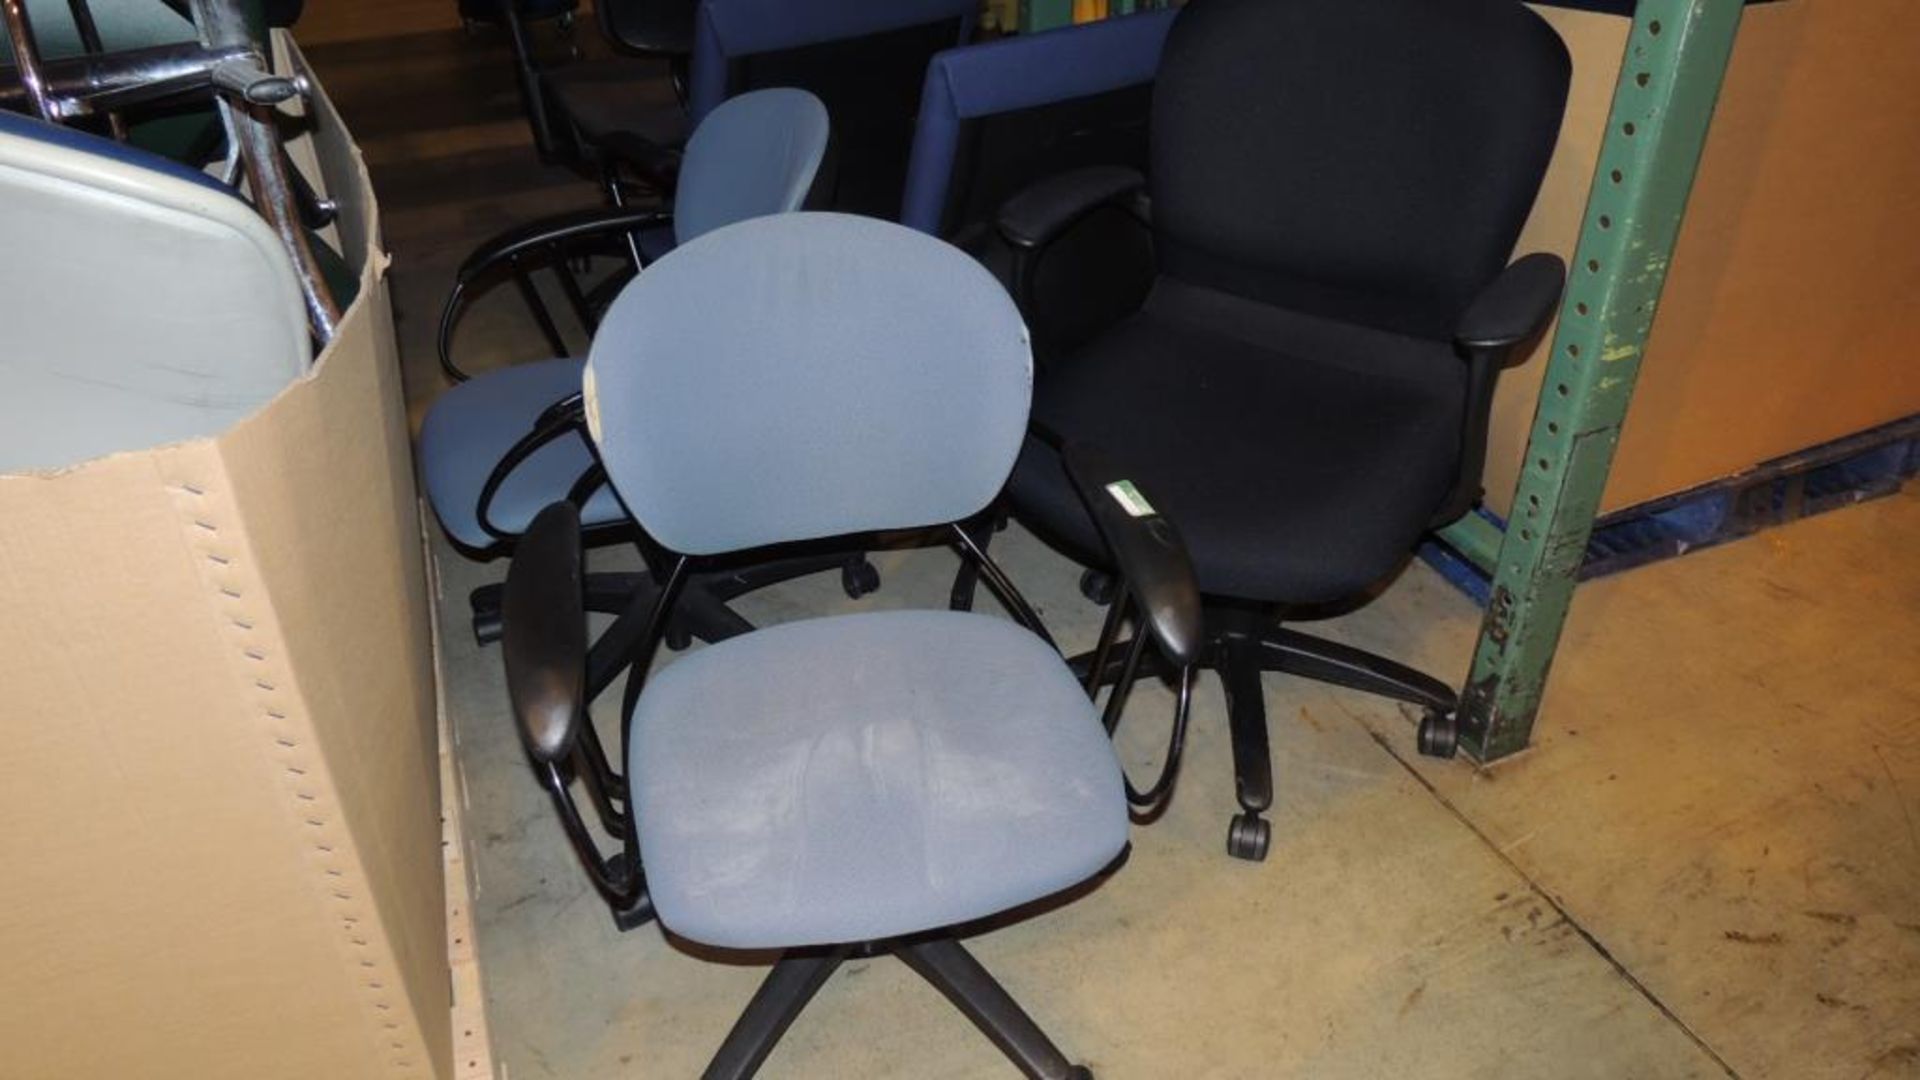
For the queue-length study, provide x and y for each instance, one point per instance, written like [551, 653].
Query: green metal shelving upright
[1670, 78]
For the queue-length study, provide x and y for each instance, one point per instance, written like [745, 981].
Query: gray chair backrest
[756, 154]
[141, 303]
[808, 375]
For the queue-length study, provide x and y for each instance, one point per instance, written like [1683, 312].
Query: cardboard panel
[220, 824]
[1783, 325]
[1788, 317]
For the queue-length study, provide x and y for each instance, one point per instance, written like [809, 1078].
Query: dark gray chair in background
[865, 60]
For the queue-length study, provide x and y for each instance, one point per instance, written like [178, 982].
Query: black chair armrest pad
[1046, 209]
[543, 640]
[1146, 548]
[1515, 305]
[657, 165]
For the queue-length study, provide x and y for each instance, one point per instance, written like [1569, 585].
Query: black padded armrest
[558, 229]
[567, 414]
[1045, 210]
[543, 641]
[1515, 305]
[658, 165]
[1146, 548]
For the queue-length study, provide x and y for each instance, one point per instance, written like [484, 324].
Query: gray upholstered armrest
[1515, 306]
[1146, 548]
[1043, 211]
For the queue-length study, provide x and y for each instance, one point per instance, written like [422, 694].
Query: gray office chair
[845, 785]
[142, 302]
[495, 449]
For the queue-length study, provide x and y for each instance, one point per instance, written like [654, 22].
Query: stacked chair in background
[106, 224]
[866, 63]
[495, 449]
[143, 237]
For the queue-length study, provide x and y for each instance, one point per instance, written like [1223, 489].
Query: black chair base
[1242, 645]
[701, 613]
[941, 961]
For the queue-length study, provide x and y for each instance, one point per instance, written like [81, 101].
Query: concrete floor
[1708, 865]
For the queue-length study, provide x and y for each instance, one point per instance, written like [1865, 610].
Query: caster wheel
[858, 578]
[1439, 735]
[1079, 1072]
[1097, 587]
[677, 639]
[486, 626]
[1248, 837]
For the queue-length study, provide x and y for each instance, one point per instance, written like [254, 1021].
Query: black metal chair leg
[1153, 664]
[787, 989]
[1295, 653]
[967, 580]
[485, 605]
[745, 579]
[538, 309]
[611, 593]
[1239, 665]
[974, 992]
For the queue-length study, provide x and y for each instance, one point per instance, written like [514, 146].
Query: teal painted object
[1670, 79]
[1045, 14]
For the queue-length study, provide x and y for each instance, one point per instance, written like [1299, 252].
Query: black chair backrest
[1365, 160]
[999, 156]
[871, 87]
[647, 26]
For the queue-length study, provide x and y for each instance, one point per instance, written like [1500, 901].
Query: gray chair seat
[473, 425]
[863, 777]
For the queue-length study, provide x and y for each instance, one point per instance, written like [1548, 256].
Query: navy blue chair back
[998, 116]
[866, 59]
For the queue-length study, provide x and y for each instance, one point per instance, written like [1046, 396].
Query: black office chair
[619, 118]
[1336, 187]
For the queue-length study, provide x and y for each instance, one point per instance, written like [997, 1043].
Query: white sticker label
[1130, 499]
[590, 402]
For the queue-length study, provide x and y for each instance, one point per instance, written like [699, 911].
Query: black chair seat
[1301, 457]
[603, 97]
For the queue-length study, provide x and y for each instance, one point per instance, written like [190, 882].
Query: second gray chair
[496, 448]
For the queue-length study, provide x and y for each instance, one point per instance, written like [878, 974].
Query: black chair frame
[559, 736]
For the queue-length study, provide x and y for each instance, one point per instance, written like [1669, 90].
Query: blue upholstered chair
[865, 60]
[999, 115]
[495, 449]
[610, 115]
[142, 302]
[843, 785]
